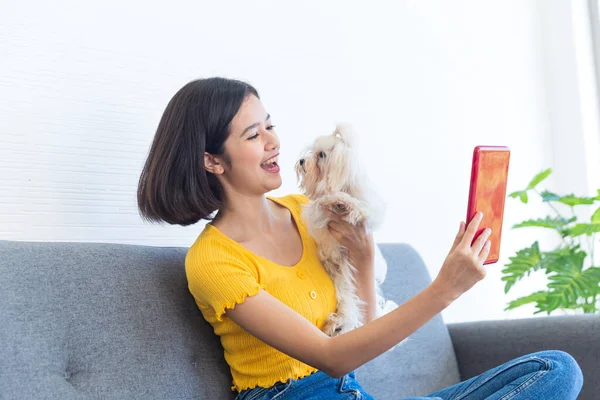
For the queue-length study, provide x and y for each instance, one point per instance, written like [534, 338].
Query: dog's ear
[345, 132]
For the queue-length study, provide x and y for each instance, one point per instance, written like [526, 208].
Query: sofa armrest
[482, 345]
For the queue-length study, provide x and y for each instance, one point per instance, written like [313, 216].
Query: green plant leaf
[549, 222]
[588, 308]
[538, 178]
[572, 200]
[546, 305]
[553, 301]
[583, 229]
[569, 286]
[596, 217]
[521, 194]
[524, 262]
[563, 259]
[591, 278]
[524, 197]
[534, 297]
[549, 196]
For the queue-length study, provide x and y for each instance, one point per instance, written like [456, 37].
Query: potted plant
[574, 278]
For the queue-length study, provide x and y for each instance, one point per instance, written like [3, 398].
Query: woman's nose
[272, 141]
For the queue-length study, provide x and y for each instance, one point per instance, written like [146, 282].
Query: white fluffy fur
[329, 174]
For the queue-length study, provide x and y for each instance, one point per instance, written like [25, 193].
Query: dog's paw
[332, 325]
[347, 207]
[338, 207]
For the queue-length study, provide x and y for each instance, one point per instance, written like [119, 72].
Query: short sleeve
[219, 277]
[301, 199]
[295, 202]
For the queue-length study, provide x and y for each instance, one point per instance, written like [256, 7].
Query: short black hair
[174, 186]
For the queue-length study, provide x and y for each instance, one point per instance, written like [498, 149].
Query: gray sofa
[111, 321]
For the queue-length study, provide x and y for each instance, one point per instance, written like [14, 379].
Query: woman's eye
[270, 127]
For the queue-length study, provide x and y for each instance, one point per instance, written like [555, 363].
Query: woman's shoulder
[299, 198]
[293, 201]
[210, 246]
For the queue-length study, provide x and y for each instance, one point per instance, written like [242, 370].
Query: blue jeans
[551, 374]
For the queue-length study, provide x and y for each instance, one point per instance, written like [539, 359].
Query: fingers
[337, 226]
[467, 238]
[459, 235]
[332, 216]
[335, 233]
[485, 251]
[480, 241]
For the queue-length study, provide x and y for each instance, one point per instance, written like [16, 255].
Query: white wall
[82, 88]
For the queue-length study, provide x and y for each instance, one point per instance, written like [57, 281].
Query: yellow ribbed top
[222, 272]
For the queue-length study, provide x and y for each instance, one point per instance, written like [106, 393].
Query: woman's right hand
[463, 267]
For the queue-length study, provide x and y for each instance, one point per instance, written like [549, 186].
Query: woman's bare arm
[281, 327]
[365, 290]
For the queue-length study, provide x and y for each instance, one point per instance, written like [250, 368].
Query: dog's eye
[322, 154]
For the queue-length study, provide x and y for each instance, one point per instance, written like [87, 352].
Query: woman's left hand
[357, 239]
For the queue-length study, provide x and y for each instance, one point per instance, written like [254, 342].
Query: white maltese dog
[329, 175]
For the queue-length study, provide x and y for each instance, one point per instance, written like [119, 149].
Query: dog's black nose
[301, 161]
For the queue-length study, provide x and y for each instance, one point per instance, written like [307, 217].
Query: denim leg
[260, 393]
[550, 374]
[349, 388]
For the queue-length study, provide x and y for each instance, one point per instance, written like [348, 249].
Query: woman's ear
[213, 164]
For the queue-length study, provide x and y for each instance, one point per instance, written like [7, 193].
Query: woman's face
[252, 149]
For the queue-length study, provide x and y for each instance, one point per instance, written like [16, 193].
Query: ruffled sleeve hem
[242, 297]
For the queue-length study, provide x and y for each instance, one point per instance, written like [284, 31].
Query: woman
[256, 277]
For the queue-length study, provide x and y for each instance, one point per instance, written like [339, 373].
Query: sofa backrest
[89, 320]
[424, 363]
[94, 320]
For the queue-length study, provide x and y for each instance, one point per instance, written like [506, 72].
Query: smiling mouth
[271, 164]
[271, 160]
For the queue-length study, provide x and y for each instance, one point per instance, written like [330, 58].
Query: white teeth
[271, 160]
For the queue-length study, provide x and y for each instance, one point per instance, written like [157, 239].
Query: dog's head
[329, 165]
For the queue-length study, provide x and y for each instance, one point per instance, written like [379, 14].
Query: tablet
[489, 175]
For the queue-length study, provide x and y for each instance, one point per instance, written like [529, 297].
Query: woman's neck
[243, 217]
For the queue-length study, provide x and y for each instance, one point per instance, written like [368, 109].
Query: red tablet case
[489, 175]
